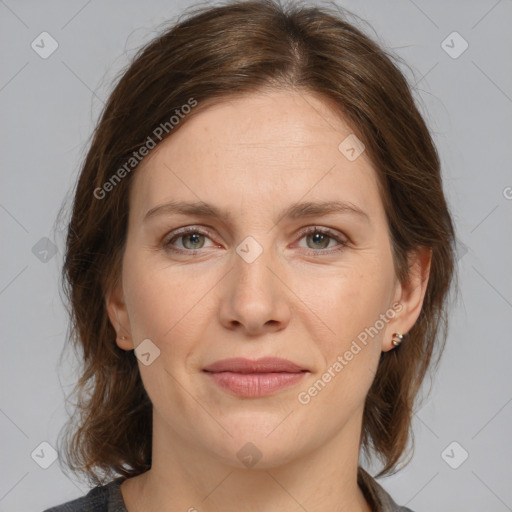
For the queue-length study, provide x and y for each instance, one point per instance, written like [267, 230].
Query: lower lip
[255, 384]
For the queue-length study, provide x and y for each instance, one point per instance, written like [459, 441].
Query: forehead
[256, 149]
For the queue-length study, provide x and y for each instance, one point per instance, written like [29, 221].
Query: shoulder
[377, 496]
[104, 498]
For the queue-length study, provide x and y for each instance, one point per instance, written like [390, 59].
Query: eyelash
[167, 242]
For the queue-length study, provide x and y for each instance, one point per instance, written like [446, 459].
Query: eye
[318, 240]
[192, 239]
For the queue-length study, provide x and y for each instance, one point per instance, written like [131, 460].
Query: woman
[257, 264]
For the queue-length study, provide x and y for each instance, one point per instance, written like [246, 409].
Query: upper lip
[262, 365]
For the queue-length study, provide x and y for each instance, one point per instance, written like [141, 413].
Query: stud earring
[123, 337]
[397, 339]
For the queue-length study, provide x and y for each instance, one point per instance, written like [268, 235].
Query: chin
[254, 448]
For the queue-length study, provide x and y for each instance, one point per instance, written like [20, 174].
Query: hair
[213, 54]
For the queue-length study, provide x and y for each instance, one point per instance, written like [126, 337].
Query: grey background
[48, 108]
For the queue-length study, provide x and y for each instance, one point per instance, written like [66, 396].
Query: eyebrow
[294, 211]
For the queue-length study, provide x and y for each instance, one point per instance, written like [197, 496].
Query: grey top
[108, 498]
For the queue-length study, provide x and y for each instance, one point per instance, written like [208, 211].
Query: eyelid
[320, 229]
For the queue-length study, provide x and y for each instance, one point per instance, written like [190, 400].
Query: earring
[123, 337]
[397, 339]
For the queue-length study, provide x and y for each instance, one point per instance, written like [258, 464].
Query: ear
[410, 294]
[118, 315]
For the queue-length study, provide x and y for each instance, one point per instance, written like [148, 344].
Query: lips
[262, 365]
[253, 379]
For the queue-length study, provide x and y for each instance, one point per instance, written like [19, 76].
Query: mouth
[255, 378]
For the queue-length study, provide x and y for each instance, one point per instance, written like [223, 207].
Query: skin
[254, 156]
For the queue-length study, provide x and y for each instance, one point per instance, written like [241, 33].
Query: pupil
[318, 238]
[194, 238]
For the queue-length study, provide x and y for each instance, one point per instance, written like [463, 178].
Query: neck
[184, 477]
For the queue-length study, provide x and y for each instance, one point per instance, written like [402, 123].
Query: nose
[254, 299]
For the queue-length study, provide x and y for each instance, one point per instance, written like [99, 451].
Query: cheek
[356, 301]
[160, 310]
[155, 298]
[350, 299]
[169, 305]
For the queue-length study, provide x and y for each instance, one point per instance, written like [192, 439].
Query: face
[259, 276]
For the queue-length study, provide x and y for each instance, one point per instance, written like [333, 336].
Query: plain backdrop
[48, 108]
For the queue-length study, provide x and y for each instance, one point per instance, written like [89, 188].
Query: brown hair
[213, 54]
